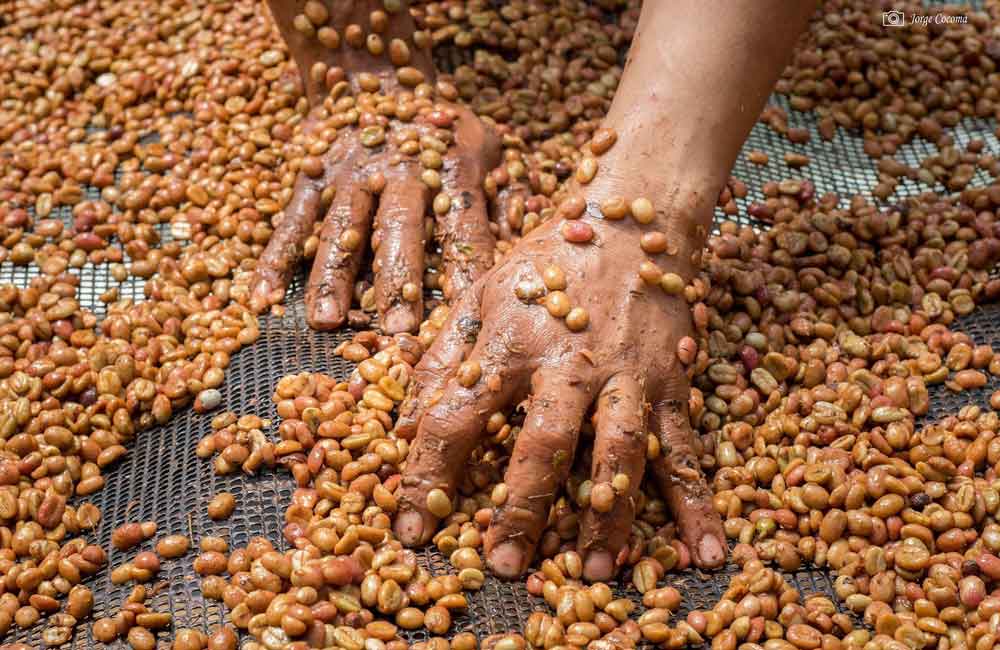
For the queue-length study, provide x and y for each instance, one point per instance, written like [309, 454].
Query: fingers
[399, 258]
[466, 239]
[463, 231]
[447, 434]
[539, 465]
[619, 451]
[284, 249]
[441, 361]
[341, 247]
[683, 485]
[508, 210]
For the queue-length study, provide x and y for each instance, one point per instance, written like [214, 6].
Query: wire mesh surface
[161, 479]
[841, 165]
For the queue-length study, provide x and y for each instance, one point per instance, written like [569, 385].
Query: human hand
[332, 41]
[567, 321]
[405, 154]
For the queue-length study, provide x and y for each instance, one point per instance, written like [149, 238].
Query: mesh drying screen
[162, 480]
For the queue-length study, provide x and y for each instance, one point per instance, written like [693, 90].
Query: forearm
[332, 40]
[697, 77]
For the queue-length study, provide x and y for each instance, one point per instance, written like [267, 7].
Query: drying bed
[162, 480]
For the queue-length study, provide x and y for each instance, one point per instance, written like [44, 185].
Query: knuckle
[679, 448]
[442, 422]
[625, 444]
[673, 381]
[552, 439]
[519, 516]
[625, 424]
[395, 216]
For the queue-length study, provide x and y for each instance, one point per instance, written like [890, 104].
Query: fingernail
[406, 427]
[325, 314]
[710, 551]
[259, 295]
[599, 566]
[399, 319]
[506, 560]
[277, 295]
[409, 527]
[261, 286]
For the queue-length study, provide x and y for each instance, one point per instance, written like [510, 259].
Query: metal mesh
[841, 164]
[983, 325]
[161, 479]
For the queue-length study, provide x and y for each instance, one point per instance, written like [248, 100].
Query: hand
[608, 341]
[333, 40]
[377, 161]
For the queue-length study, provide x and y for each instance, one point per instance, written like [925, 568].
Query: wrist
[365, 74]
[667, 217]
[369, 43]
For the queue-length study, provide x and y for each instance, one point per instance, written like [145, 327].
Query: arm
[697, 76]
[586, 313]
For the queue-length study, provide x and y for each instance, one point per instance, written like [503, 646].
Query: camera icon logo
[893, 18]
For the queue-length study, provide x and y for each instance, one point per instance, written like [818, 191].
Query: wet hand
[586, 315]
[376, 166]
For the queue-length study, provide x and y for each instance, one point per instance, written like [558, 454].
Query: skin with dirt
[623, 362]
[398, 204]
[308, 50]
